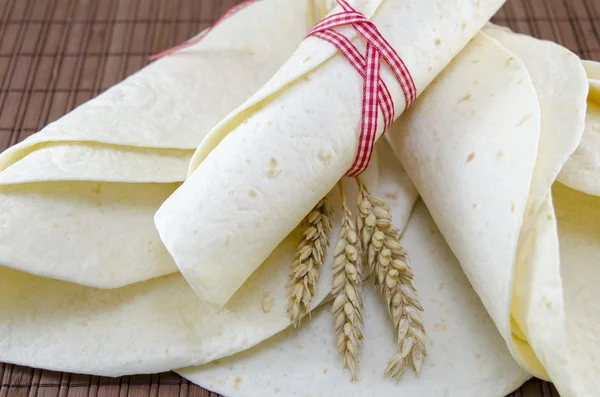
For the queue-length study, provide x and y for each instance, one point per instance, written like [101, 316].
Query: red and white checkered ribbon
[376, 94]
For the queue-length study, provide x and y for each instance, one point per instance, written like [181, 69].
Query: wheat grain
[347, 285]
[310, 256]
[388, 262]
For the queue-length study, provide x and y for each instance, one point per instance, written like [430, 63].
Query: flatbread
[488, 189]
[446, 154]
[467, 356]
[582, 171]
[128, 149]
[159, 324]
[293, 141]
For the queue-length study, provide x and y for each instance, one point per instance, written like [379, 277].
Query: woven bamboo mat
[56, 54]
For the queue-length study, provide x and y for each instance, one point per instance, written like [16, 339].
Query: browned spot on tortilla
[249, 51]
[473, 114]
[391, 196]
[493, 94]
[475, 61]
[237, 382]
[549, 217]
[441, 286]
[248, 161]
[477, 356]
[430, 68]
[464, 98]
[476, 82]
[470, 157]
[270, 123]
[307, 59]
[508, 61]
[474, 206]
[97, 188]
[520, 81]
[524, 119]
[325, 158]
[512, 206]
[441, 325]
[463, 26]
[305, 78]
[252, 193]
[227, 241]
[549, 304]
[273, 172]
[499, 155]
[325, 370]
[438, 42]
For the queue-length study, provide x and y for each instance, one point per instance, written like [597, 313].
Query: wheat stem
[388, 261]
[347, 292]
[310, 256]
[310, 13]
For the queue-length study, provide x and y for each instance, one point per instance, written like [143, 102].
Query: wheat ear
[310, 256]
[347, 284]
[388, 261]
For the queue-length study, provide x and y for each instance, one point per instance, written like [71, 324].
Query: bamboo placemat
[57, 54]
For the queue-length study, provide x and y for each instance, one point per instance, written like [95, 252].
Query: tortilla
[128, 149]
[293, 141]
[488, 190]
[578, 215]
[466, 358]
[467, 128]
[582, 171]
[160, 324]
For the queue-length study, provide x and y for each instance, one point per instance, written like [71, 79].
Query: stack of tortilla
[502, 147]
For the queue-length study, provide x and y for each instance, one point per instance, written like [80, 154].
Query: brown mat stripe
[57, 54]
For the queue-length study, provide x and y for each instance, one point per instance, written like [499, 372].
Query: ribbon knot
[376, 94]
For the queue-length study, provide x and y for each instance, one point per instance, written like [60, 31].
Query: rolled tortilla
[488, 190]
[478, 122]
[86, 187]
[160, 324]
[293, 140]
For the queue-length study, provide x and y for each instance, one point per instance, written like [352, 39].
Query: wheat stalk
[388, 261]
[310, 13]
[310, 256]
[347, 285]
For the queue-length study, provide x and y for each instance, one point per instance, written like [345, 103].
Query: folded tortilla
[489, 192]
[293, 140]
[467, 356]
[582, 170]
[160, 324]
[86, 187]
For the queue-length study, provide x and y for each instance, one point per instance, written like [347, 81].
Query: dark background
[56, 54]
